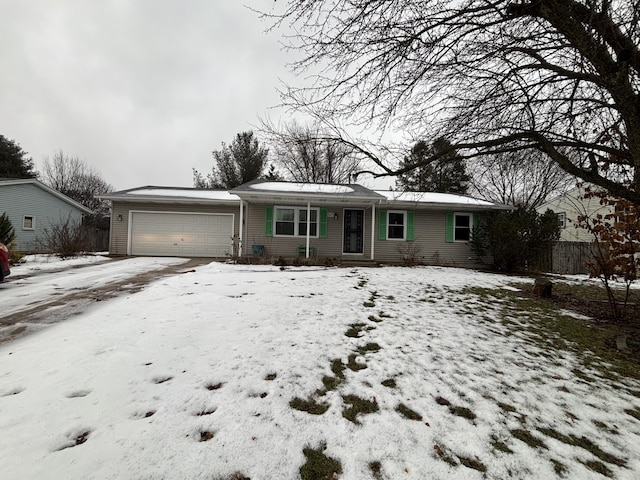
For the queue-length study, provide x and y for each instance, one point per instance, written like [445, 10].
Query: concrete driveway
[30, 301]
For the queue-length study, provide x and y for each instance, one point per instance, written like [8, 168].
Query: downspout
[241, 228]
[308, 227]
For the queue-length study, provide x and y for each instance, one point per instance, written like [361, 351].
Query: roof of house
[46, 188]
[288, 192]
[297, 191]
[438, 200]
[155, 194]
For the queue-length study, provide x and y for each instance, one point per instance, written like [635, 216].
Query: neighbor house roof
[152, 194]
[438, 200]
[313, 192]
[46, 188]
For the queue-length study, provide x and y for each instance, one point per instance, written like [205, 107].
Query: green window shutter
[476, 222]
[448, 228]
[268, 221]
[410, 222]
[382, 225]
[323, 223]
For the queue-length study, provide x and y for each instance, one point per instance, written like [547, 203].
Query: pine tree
[14, 162]
[448, 174]
[7, 233]
[242, 161]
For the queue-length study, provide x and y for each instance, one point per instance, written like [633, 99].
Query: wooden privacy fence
[570, 257]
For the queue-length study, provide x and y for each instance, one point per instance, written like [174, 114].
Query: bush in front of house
[67, 238]
[520, 239]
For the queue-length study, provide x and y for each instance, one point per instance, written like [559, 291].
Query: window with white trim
[562, 220]
[292, 221]
[396, 225]
[462, 226]
[28, 222]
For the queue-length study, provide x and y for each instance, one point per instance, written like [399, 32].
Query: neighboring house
[575, 246]
[569, 206]
[33, 207]
[344, 222]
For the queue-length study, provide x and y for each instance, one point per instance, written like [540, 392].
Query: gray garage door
[181, 234]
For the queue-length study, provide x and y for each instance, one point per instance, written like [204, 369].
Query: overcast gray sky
[143, 90]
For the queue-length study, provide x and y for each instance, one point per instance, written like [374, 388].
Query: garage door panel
[181, 234]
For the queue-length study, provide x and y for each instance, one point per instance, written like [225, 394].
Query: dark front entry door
[353, 231]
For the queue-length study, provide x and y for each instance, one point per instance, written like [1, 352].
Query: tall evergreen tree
[448, 174]
[14, 162]
[242, 161]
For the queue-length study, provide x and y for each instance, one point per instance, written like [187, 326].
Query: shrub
[69, 238]
[7, 233]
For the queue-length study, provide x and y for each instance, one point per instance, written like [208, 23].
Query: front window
[396, 225]
[313, 224]
[285, 221]
[292, 221]
[462, 227]
[28, 222]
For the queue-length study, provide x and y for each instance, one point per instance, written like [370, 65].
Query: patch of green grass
[634, 412]
[376, 469]
[499, 445]
[337, 367]
[473, 463]
[382, 314]
[603, 426]
[526, 437]
[373, 318]
[309, 405]
[585, 443]
[369, 304]
[389, 383]
[559, 467]
[406, 412]
[442, 401]
[318, 466]
[463, 412]
[444, 455]
[369, 347]
[358, 406]
[353, 365]
[330, 383]
[270, 376]
[599, 467]
[553, 331]
[354, 330]
[506, 407]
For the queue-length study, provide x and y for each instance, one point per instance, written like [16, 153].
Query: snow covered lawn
[195, 377]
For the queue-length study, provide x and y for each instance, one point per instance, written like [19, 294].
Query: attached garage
[181, 234]
[173, 222]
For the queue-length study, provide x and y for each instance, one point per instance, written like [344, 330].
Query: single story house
[33, 207]
[342, 222]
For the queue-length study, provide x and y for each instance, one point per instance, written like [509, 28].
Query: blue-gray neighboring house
[33, 207]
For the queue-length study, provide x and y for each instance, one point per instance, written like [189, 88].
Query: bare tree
[310, 155]
[76, 179]
[561, 77]
[524, 179]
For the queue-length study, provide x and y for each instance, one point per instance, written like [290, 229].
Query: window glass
[293, 221]
[27, 222]
[395, 225]
[462, 227]
[562, 220]
[285, 221]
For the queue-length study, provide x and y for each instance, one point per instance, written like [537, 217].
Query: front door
[353, 241]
